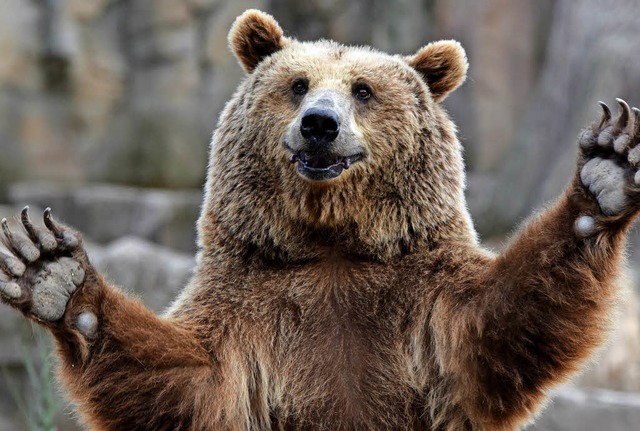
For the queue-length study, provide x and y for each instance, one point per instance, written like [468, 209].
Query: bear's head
[330, 145]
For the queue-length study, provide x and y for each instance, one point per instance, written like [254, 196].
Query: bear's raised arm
[124, 366]
[530, 317]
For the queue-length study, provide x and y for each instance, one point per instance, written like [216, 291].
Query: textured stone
[19, 44]
[104, 213]
[580, 68]
[203, 5]
[574, 409]
[155, 273]
[87, 10]
[617, 364]
[171, 12]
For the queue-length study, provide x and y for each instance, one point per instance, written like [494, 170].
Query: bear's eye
[300, 86]
[362, 92]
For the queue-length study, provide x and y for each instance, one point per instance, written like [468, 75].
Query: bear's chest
[339, 351]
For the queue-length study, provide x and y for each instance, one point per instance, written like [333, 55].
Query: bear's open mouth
[322, 166]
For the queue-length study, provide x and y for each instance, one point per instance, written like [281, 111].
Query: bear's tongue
[318, 161]
[323, 161]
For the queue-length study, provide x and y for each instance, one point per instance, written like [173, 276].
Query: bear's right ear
[253, 36]
[443, 65]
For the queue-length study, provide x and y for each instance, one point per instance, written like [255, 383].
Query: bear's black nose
[320, 125]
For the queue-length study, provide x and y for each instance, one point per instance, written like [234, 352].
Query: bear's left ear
[253, 36]
[443, 65]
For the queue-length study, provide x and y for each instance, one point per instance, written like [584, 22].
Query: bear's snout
[321, 139]
[320, 126]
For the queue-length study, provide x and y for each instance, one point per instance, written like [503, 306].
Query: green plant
[36, 402]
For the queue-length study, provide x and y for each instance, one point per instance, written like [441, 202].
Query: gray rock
[19, 68]
[587, 60]
[6, 424]
[152, 146]
[155, 274]
[106, 212]
[14, 330]
[575, 409]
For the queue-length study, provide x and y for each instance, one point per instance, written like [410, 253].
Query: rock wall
[128, 92]
[118, 91]
[589, 57]
[573, 409]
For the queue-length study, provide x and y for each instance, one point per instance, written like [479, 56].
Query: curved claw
[8, 237]
[636, 122]
[67, 239]
[606, 114]
[623, 117]
[24, 214]
[5, 228]
[39, 236]
[52, 225]
[26, 222]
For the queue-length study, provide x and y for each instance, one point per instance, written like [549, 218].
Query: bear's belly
[342, 360]
[346, 379]
[330, 403]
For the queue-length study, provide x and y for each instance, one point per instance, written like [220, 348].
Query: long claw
[636, 122]
[5, 227]
[623, 117]
[24, 215]
[52, 225]
[38, 236]
[606, 114]
[68, 239]
[26, 222]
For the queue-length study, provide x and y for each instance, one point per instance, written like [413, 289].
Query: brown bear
[340, 284]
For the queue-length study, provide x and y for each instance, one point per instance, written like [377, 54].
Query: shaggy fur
[359, 303]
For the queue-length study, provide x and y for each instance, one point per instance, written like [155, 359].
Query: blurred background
[107, 107]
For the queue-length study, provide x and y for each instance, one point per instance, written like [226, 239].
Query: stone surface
[104, 212]
[617, 365]
[574, 409]
[20, 50]
[587, 59]
[155, 274]
[92, 88]
[118, 86]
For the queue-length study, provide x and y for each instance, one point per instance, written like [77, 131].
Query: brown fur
[254, 37]
[442, 65]
[361, 303]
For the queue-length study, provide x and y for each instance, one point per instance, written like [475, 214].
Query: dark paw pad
[43, 269]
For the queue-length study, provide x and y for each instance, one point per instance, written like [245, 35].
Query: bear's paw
[43, 269]
[610, 160]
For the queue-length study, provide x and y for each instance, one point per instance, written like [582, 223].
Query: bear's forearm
[537, 311]
[136, 371]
